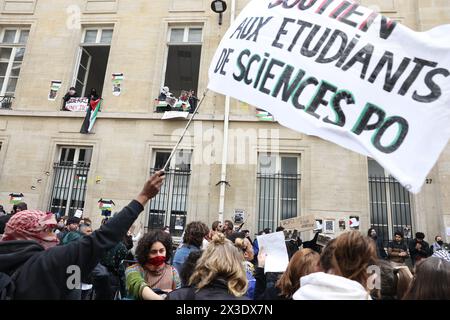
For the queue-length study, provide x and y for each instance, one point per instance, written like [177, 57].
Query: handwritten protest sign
[340, 71]
[274, 246]
[77, 104]
[300, 224]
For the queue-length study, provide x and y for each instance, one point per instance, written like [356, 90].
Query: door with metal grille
[390, 204]
[170, 206]
[278, 183]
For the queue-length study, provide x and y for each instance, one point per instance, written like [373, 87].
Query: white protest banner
[77, 104]
[174, 115]
[300, 224]
[342, 72]
[273, 244]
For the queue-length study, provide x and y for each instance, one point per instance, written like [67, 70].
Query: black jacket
[265, 285]
[43, 273]
[3, 221]
[417, 254]
[217, 290]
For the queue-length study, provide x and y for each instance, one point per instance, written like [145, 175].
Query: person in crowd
[152, 272]
[228, 228]
[393, 282]
[303, 263]
[86, 221]
[437, 245]
[418, 248]
[21, 206]
[372, 233]
[72, 233]
[189, 267]
[247, 234]
[2, 211]
[29, 248]
[108, 285]
[345, 262]
[192, 241]
[256, 245]
[219, 274]
[61, 226]
[245, 246]
[431, 280]
[72, 93]
[215, 228]
[85, 229]
[398, 250]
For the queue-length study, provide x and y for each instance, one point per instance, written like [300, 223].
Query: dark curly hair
[146, 242]
[194, 234]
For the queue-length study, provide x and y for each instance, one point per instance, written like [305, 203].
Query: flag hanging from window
[91, 115]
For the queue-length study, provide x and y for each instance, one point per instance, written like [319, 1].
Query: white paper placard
[273, 244]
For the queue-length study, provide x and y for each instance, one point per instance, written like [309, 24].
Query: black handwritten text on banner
[340, 71]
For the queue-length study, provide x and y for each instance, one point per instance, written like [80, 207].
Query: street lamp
[219, 6]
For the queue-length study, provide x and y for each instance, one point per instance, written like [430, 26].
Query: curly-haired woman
[152, 274]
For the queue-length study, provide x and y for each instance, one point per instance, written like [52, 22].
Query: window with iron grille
[278, 183]
[170, 206]
[12, 50]
[70, 176]
[390, 204]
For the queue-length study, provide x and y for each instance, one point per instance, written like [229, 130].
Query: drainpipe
[223, 177]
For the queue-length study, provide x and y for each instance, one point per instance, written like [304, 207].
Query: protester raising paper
[337, 70]
[274, 247]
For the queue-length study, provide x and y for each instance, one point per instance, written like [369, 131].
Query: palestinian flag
[15, 198]
[106, 207]
[91, 115]
[264, 115]
[106, 204]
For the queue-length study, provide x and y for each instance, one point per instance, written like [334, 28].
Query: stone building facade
[272, 172]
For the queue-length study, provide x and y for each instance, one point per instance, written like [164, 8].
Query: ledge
[121, 115]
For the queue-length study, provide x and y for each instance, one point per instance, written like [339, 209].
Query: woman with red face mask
[152, 274]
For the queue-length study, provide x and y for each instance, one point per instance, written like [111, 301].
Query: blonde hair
[221, 259]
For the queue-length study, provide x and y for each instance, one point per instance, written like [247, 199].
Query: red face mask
[157, 261]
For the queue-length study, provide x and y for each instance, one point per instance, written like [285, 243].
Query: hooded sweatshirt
[324, 286]
[43, 274]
